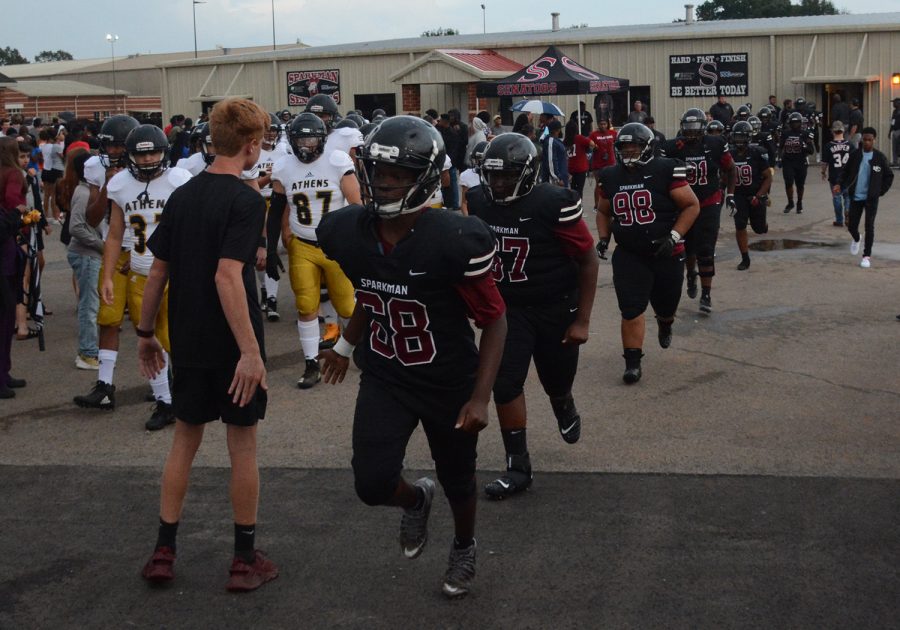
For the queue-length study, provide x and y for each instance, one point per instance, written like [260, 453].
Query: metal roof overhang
[446, 57]
[219, 97]
[839, 78]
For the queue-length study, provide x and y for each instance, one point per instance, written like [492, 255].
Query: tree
[440, 32]
[52, 55]
[745, 9]
[11, 56]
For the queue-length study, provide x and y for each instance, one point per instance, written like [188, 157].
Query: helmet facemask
[118, 158]
[390, 189]
[308, 148]
[145, 170]
[504, 183]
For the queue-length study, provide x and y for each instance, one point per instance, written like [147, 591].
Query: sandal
[33, 333]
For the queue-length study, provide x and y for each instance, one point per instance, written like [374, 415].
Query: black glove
[602, 246]
[663, 246]
[729, 202]
[273, 265]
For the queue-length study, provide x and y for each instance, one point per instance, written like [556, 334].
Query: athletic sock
[462, 543]
[107, 365]
[632, 358]
[271, 287]
[244, 541]
[326, 310]
[166, 535]
[514, 441]
[160, 383]
[706, 291]
[309, 338]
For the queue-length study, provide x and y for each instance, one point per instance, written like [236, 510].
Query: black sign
[708, 75]
[304, 84]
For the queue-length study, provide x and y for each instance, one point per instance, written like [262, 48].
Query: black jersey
[641, 203]
[765, 141]
[836, 155]
[704, 160]
[750, 170]
[796, 145]
[532, 266]
[419, 335]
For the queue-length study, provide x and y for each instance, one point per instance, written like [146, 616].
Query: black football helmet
[693, 124]
[795, 121]
[635, 134]
[285, 116]
[509, 168]
[307, 137]
[755, 124]
[741, 134]
[324, 107]
[800, 104]
[408, 144]
[764, 114]
[112, 136]
[347, 122]
[145, 139]
[201, 140]
[273, 133]
[742, 113]
[715, 128]
[477, 154]
[359, 120]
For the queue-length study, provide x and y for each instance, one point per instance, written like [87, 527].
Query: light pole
[194, 9]
[483, 21]
[273, 24]
[112, 46]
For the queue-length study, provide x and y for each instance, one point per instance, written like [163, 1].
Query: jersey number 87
[301, 203]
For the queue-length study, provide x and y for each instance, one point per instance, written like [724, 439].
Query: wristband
[343, 347]
[143, 334]
[675, 236]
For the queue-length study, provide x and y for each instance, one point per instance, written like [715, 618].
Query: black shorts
[641, 280]
[701, 239]
[200, 395]
[384, 421]
[538, 331]
[794, 171]
[747, 211]
[50, 176]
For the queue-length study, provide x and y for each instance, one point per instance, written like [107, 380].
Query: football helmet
[285, 116]
[693, 124]
[307, 137]
[273, 133]
[142, 140]
[795, 121]
[201, 140]
[755, 124]
[347, 122]
[324, 107]
[400, 146]
[715, 128]
[635, 134]
[742, 113]
[740, 135]
[477, 154]
[800, 104]
[764, 114]
[359, 120]
[509, 168]
[112, 135]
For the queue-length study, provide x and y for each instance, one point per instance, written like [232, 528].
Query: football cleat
[789, 207]
[706, 304]
[692, 284]
[632, 366]
[414, 523]
[460, 571]
[330, 336]
[245, 577]
[517, 479]
[163, 416]
[665, 332]
[311, 376]
[272, 310]
[567, 418]
[744, 265]
[102, 396]
[160, 566]
[799, 207]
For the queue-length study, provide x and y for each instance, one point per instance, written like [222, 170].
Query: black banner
[304, 84]
[708, 75]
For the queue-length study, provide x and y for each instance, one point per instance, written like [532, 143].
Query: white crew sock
[160, 383]
[309, 338]
[107, 365]
[271, 288]
[326, 310]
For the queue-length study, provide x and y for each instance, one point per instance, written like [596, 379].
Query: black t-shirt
[856, 118]
[750, 169]
[835, 155]
[209, 218]
[533, 266]
[703, 160]
[419, 342]
[641, 202]
[586, 121]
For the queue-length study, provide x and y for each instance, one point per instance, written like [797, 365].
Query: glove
[602, 246]
[759, 199]
[729, 202]
[663, 246]
[273, 265]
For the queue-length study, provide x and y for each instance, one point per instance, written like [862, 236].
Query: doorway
[847, 92]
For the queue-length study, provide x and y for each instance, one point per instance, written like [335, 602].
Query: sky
[166, 25]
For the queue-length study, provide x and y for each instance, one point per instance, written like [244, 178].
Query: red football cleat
[159, 567]
[249, 577]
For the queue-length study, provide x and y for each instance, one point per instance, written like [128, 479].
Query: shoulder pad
[340, 159]
[556, 204]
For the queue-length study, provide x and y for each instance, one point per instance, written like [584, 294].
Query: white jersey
[312, 189]
[267, 161]
[193, 164]
[343, 139]
[142, 213]
[437, 199]
[469, 178]
[94, 171]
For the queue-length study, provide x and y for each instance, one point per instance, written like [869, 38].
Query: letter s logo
[537, 71]
[579, 70]
[708, 74]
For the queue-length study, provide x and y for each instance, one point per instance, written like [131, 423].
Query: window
[367, 103]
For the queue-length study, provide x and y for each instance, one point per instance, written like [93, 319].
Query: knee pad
[632, 312]
[374, 491]
[505, 391]
[706, 265]
[740, 223]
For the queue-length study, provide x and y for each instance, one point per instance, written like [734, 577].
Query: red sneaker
[249, 577]
[159, 567]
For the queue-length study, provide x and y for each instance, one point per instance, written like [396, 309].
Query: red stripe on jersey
[483, 300]
[727, 161]
[713, 199]
[678, 183]
[576, 239]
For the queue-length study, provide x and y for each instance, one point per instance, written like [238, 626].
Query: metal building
[671, 67]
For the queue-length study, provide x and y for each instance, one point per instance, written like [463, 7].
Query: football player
[708, 163]
[647, 205]
[416, 289]
[312, 184]
[751, 191]
[763, 139]
[203, 154]
[834, 160]
[796, 144]
[137, 197]
[323, 106]
[470, 179]
[546, 269]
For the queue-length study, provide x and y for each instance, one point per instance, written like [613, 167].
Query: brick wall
[412, 99]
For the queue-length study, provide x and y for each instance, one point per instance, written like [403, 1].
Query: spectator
[577, 146]
[603, 108]
[476, 135]
[658, 136]
[895, 133]
[485, 117]
[521, 120]
[839, 111]
[773, 103]
[85, 253]
[604, 154]
[637, 114]
[785, 113]
[52, 152]
[456, 137]
[721, 110]
[585, 119]
[497, 128]
[12, 205]
[554, 160]
[856, 124]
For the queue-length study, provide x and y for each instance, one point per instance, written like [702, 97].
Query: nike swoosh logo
[417, 273]
[503, 483]
[569, 428]
[572, 310]
[647, 176]
[525, 218]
